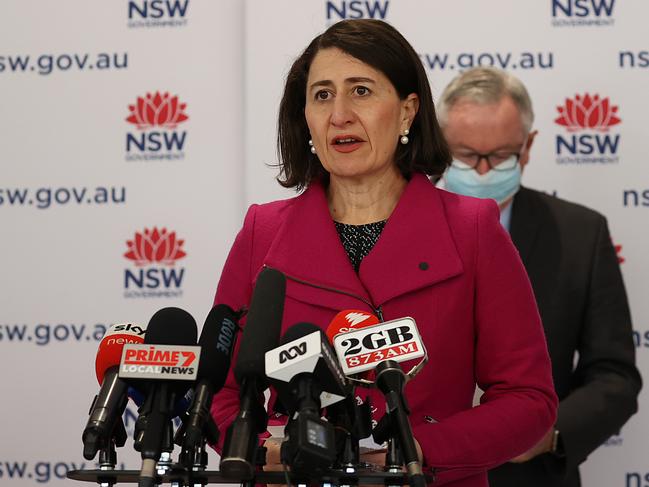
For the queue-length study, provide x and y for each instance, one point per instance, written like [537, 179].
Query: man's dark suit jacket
[574, 270]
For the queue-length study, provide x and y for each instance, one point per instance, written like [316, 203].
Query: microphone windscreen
[297, 331]
[349, 320]
[171, 326]
[263, 325]
[217, 342]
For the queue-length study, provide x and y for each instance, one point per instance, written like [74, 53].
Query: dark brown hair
[381, 46]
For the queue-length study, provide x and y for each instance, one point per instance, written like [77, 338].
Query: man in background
[487, 117]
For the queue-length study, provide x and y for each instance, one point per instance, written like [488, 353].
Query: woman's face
[354, 115]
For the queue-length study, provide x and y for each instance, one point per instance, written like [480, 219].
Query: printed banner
[137, 132]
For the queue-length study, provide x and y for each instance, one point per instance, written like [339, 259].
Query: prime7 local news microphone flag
[157, 362]
[105, 424]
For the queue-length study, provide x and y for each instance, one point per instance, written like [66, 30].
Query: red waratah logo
[153, 246]
[618, 251]
[155, 109]
[587, 112]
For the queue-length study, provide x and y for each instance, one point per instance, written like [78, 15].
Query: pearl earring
[404, 138]
[312, 148]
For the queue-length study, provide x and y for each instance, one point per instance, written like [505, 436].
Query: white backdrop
[73, 192]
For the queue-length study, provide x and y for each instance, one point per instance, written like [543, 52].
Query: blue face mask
[497, 185]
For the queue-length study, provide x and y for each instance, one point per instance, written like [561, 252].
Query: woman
[357, 132]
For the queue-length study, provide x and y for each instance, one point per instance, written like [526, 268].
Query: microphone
[217, 343]
[381, 348]
[362, 349]
[305, 354]
[352, 421]
[104, 422]
[307, 377]
[390, 380]
[260, 335]
[175, 364]
[347, 321]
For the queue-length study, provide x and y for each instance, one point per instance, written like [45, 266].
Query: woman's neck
[367, 199]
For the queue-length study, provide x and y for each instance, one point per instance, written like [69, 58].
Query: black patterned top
[358, 240]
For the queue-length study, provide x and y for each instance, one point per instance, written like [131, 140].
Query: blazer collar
[414, 250]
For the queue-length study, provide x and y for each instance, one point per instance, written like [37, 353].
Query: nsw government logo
[587, 120]
[156, 117]
[154, 274]
[356, 9]
[157, 13]
[580, 13]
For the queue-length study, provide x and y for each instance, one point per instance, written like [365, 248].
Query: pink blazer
[444, 260]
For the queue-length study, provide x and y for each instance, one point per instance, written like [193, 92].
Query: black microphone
[388, 343]
[263, 326]
[307, 376]
[390, 380]
[352, 422]
[168, 326]
[305, 354]
[217, 343]
[260, 335]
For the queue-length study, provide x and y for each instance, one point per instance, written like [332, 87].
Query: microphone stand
[393, 458]
[352, 422]
[154, 433]
[193, 455]
[108, 452]
[240, 450]
[164, 463]
[390, 379]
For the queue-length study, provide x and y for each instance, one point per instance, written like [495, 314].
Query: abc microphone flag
[306, 351]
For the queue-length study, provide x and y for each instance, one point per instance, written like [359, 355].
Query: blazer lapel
[525, 222]
[416, 248]
[412, 252]
[308, 250]
[535, 233]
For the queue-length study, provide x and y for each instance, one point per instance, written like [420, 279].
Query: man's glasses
[497, 161]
